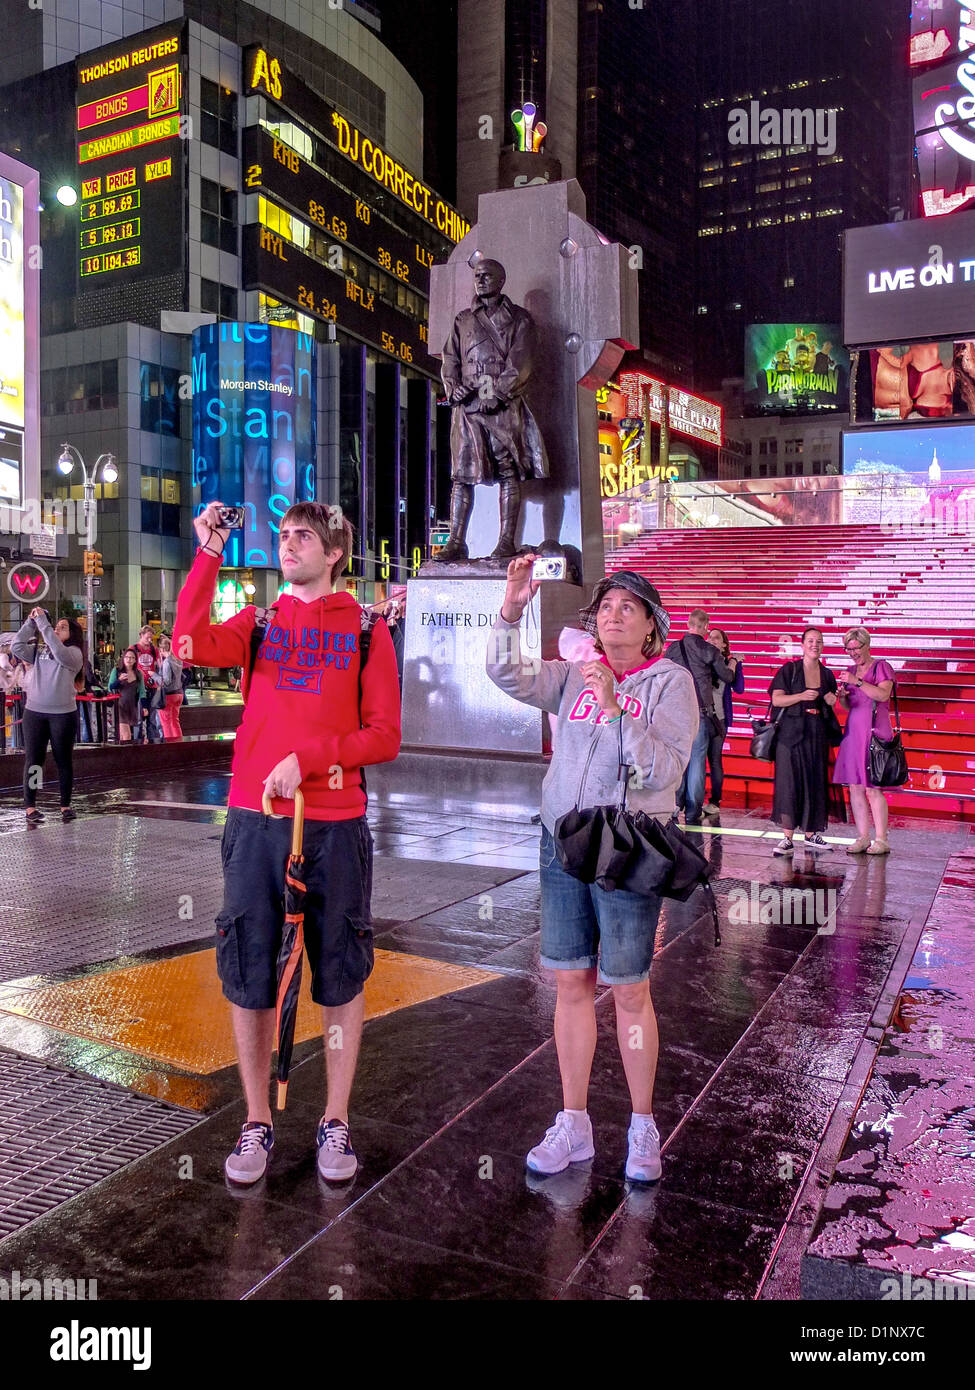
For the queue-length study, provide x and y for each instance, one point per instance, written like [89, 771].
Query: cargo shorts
[338, 921]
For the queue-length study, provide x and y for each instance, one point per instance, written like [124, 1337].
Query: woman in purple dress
[869, 681]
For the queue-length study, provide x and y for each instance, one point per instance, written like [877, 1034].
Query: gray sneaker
[336, 1157]
[248, 1162]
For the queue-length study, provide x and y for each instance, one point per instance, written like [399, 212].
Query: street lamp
[109, 475]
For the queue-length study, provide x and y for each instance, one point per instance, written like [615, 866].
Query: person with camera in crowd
[588, 933]
[147, 659]
[51, 711]
[314, 715]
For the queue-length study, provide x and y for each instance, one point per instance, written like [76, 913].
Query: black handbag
[764, 734]
[886, 759]
[616, 848]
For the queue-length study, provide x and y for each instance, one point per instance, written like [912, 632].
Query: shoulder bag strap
[897, 714]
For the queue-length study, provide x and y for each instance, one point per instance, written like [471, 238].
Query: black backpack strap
[261, 625]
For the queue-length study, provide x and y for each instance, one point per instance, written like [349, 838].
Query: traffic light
[89, 567]
[96, 563]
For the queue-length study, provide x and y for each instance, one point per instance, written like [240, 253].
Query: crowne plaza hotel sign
[264, 73]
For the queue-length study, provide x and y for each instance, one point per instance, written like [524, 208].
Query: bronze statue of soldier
[487, 364]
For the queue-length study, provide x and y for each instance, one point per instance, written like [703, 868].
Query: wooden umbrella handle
[298, 829]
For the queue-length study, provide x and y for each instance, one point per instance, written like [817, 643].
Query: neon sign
[28, 582]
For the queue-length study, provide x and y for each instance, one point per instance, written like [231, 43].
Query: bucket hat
[635, 584]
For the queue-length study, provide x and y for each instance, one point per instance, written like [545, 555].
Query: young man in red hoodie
[304, 723]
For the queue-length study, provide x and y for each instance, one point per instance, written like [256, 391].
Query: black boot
[461, 497]
[510, 509]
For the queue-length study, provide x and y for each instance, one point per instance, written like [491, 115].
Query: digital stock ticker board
[130, 168]
[302, 269]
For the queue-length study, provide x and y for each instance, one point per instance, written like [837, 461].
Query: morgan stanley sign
[908, 281]
[254, 435]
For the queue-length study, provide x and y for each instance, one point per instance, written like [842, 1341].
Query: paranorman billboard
[795, 368]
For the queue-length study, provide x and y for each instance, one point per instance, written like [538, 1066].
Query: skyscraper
[794, 145]
[613, 85]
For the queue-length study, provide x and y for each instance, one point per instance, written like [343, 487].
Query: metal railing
[902, 504]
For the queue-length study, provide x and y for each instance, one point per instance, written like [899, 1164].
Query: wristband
[217, 554]
[616, 718]
[510, 621]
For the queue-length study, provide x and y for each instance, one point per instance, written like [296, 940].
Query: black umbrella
[292, 946]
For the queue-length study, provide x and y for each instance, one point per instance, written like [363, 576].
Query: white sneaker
[563, 1144]
[643, 1154]
[784, 847]
[712, 808]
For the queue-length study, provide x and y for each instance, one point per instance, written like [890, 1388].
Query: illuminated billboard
[795, 368]
[916, 381]
[130, 159]
[911, 449]
[254, 429]
[264, 73]
[944, 136]
[901, 283]
[19, 342]
[643, 398]
[940, 28]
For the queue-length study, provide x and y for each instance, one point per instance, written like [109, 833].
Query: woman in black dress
[804, 693]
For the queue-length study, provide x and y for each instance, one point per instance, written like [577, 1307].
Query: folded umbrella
[292, 947]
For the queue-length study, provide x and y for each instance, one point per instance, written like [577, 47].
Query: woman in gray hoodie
[51, 713]
[584, 928]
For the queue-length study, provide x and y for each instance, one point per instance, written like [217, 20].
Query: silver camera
[232, 517]
[549, 567]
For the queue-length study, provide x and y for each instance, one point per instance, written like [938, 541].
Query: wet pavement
[767, 1044]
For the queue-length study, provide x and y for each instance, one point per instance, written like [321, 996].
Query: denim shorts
[583, 925]
[338, 922]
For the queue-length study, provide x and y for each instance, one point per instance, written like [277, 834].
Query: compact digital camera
[549, 567]
[232, 517]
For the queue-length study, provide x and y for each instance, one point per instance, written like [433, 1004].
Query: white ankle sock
[636, 1119]
[578, 1118]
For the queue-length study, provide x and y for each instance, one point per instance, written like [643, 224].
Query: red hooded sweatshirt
[303, 695]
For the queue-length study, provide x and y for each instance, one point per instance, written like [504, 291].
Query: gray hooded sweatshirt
[50, 689]
[659, 725]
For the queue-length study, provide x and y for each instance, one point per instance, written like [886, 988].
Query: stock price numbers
[396, 267]
[401, 349]
[335, 225]
[111, 260]
[110, 233]
[317, 303]
[108, 207]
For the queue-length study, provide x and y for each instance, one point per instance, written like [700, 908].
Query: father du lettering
[457, 619]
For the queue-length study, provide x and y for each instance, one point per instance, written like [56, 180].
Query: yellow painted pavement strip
[174, 1011]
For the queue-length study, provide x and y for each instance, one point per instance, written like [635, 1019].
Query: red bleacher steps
[916, 595]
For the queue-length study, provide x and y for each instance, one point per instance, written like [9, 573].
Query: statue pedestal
[448, 701]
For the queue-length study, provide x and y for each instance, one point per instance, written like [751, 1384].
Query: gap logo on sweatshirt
[586, 705]
[303, 655]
